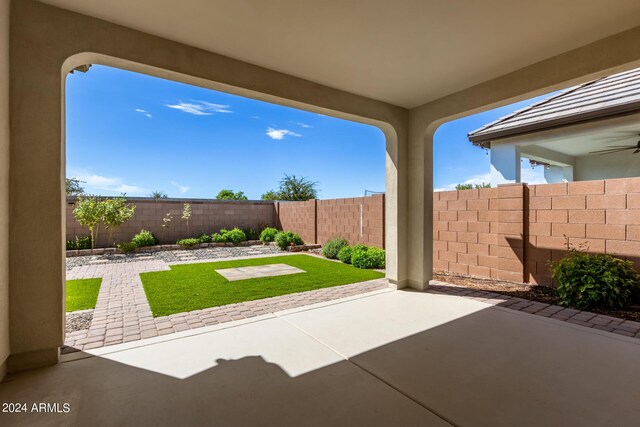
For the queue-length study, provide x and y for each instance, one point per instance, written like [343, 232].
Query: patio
[382, 358]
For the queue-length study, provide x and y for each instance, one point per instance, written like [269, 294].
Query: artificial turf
[188, 287]
[82, 294]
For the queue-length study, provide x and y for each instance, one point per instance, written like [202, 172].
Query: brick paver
[583, 318]
[122, 313]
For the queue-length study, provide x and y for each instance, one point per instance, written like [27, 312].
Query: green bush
[218, 238]
[144, 238]
[236, 235]
[79, 243]
[127, 246]
[204, 238]
[251, 233]
[587, 280]
[367, 257]
[377, 256]
[188, 243]
[332, 247]
[269, 234]
[285, 239]
[345, 254]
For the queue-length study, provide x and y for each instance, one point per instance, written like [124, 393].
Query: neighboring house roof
[612, 95]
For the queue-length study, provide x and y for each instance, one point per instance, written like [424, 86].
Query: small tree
[116, 212]
[293, 188]
[166, 222]
[230, 195]
[89, 212]
[186, 214]
[73, 187]
[158, 195]
[472, 186]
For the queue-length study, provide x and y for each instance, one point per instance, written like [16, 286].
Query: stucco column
[505, 164]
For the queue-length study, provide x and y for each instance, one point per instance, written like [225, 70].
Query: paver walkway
[123, 314]
[616, 325]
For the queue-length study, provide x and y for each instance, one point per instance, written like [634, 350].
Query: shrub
[360, 257]
[377, 257]
[332, 247]
[586, 280]
[144, 238]
[269, 234]
[204, 238]
[285, 239]
[188, 243]
[83, 242]
[345, 254]
[218, 238]
[236, 235]
[127, 246]
[251, 233]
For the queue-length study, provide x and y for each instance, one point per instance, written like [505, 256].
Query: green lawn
[196, 286]
[82, 294]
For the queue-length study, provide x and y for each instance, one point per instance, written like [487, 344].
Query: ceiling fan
[618, 148]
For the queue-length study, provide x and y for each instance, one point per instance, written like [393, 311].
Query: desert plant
[166, 222]
[345, 254]
[332, 247]
[188, 243]
[83, 242]
[251, 233]
[230, 195]
[219, 238]
[377, 257]
[268, 234]
[127, 247]
[144, 238]
[204, 238]
[285, 239]
[236, 235]
[186, 214]
[367, 257]
[89, 212]
[587, 280]
[71, 245]
[116, 212]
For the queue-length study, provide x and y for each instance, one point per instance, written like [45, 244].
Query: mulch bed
[539, 293]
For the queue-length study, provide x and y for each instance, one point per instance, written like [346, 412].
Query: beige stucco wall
[4, 184]
[46, 42]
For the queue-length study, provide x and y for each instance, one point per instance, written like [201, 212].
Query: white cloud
[145, 112]
[256, 117]
[200, 108]
[97, 183]
[182, 188]
[280, 133]
[304, 125]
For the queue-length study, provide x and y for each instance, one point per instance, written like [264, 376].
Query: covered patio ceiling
[404, 53]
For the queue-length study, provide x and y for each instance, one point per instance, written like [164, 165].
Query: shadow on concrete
[494, 367]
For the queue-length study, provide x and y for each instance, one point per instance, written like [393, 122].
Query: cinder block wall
[357, 219]
[207, 216]
[511, 232]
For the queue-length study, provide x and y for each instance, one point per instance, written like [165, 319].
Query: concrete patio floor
[383, 358]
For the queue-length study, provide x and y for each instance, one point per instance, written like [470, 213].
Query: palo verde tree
[89, 212]
[116, 212]
[293, 188]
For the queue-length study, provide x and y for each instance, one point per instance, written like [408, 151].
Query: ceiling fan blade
[616, 150]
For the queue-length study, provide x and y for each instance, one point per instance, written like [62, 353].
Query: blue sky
[131, 133]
